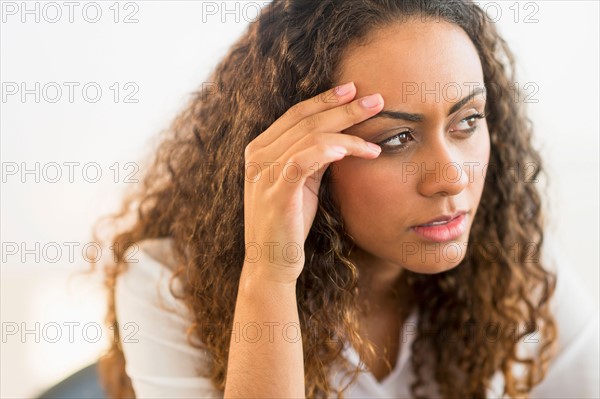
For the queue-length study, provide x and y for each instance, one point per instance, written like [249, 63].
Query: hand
[284, 168]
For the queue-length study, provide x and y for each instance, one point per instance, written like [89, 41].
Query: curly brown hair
[193, 194]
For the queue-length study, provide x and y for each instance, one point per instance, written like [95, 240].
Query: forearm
[265, 353]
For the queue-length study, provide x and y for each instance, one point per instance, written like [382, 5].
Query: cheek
[375, 197]
[484, 143]
[371, 195]
[480, 156]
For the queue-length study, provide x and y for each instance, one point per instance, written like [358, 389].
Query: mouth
[443, 228]
[441, 220]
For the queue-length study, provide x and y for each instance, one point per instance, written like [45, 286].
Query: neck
[377, 282]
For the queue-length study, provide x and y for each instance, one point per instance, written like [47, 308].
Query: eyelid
[408, 131]
[463, 114]
[382, 136]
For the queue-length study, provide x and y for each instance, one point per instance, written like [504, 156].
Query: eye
[468, 124]
[397, 142]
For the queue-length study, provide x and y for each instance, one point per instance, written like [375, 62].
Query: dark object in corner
[81, 385]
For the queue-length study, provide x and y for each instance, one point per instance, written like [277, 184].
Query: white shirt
[161, 363]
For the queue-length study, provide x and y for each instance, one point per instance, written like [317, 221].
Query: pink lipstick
[444, 228]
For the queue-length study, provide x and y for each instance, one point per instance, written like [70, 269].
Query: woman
[364, 152]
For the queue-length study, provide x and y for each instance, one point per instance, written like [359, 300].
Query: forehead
[434, 57]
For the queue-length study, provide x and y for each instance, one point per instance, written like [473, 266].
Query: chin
[433, 258]
[433, 268]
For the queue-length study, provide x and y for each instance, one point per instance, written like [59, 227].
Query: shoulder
[572, 303]
[574, 371]
[154, 326]
[148, 277]
[160, 250]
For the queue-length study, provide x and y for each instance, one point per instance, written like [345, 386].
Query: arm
[280, 210]
[265, 353]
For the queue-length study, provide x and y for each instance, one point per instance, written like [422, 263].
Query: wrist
[261, 275]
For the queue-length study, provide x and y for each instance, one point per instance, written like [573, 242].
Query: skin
[378, 201]
[369, 186]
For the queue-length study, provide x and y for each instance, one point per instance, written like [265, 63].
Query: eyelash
[401, 147]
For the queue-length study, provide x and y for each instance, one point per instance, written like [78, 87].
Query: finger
[339, 118]
[308, 156]
[333, 120]
[324, 101]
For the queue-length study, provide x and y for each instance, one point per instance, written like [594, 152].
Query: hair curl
[193, 194]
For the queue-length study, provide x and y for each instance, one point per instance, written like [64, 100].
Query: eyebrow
[420, 117]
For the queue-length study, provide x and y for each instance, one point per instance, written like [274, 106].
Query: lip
[454, 228]
[442, 218]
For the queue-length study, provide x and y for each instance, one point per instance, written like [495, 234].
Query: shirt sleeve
[575, 371]
[152, 322]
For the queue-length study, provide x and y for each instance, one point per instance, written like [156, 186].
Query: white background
[167, 54]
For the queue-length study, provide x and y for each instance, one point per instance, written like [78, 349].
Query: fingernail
[374, 147]
[344, 89]
[371, 101]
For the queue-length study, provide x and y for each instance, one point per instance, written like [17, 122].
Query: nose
[441, 171]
